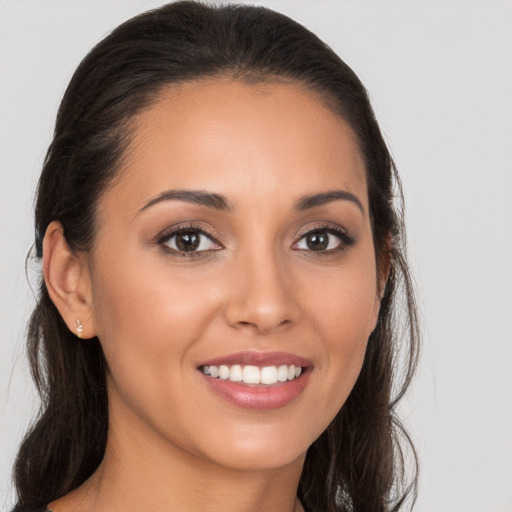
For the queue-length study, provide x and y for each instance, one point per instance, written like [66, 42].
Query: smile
[249, 374]
[257, 380]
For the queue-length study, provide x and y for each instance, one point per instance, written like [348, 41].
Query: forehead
[240, 139]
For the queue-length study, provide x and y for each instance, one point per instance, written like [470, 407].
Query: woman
[216, 326]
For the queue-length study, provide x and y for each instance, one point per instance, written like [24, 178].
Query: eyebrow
[310, 201]
[211, 200]
[219, 202]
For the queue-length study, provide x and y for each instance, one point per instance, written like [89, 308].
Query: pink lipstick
[257, 380]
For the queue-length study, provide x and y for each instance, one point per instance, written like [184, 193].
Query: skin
[174, 444]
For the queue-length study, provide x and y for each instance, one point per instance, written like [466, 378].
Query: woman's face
[236, 244]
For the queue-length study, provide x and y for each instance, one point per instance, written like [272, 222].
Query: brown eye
[188, 241]
[317, 241]
[324, 240]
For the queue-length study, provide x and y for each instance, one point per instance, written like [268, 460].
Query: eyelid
[174, 230]
[346, 239]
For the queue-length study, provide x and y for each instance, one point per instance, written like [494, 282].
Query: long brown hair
[358, 463]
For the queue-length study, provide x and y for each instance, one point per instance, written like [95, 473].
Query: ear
[384, 266]
[68, 282]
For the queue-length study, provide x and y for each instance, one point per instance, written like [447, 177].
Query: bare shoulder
[78, 500]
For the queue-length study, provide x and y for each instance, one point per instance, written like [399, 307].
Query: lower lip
[259, 396]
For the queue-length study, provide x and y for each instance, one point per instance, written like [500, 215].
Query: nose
[262, 297]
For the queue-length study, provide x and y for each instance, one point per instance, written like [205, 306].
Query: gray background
[440, 77]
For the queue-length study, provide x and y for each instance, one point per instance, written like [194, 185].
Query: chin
[252, 459]
[259, 448]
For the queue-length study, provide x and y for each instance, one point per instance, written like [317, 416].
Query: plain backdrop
[440, 77]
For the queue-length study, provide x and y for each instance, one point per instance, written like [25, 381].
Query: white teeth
[282, 373]
[253, 374]
[268, 375]
[235, 374]
[223, 372]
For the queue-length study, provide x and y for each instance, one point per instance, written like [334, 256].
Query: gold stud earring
[79, 328]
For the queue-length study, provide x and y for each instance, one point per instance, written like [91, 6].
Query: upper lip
[256, 358]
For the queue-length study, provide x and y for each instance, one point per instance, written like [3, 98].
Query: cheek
[344, 302]
[147, 318]
[149, 324]
[343, 311]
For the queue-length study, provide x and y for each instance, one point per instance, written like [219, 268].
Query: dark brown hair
[358, 463]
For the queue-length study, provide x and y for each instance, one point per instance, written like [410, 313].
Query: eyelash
[166, 236]
[346, 240]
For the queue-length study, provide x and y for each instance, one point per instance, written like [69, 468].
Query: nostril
[262, 327]
[263, 309]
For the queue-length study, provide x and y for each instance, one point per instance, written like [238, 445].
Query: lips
[257, 380]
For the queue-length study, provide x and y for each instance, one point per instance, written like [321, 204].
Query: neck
[180, 486]
[141, 470]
